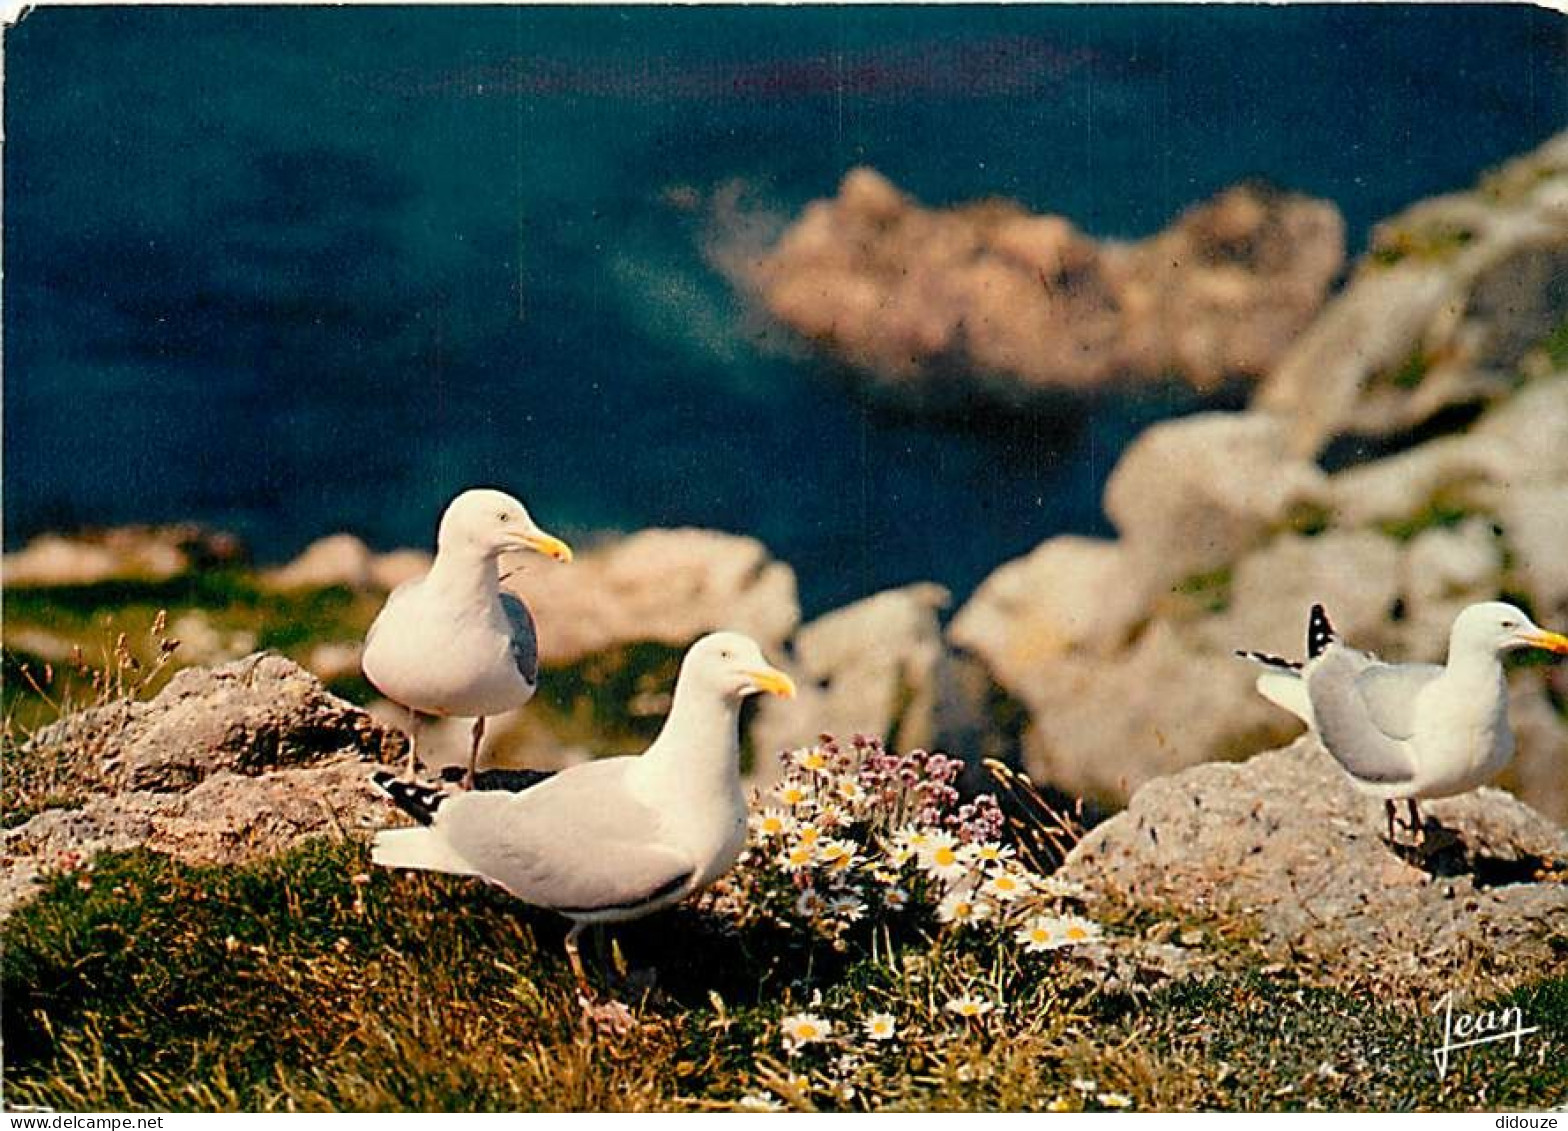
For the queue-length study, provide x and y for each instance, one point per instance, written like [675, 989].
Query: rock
[1284, 844]
[1537, 538]
[1069, 594]
[1191, 495]
[1353, 574]
[344, 560]
[1458, 295]
[664, 586]
[869, 668]
[1445, 570]
[128, 553]
[226, 765]
[1102, 727]
[389, 570]
[338, 559]
[1024, 306]
[259, 713]
[1538, 775]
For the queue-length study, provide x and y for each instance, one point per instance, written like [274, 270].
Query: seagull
[613, 839]
[452, 642]
[1409, 730]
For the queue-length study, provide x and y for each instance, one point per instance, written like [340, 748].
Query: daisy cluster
[853, 832]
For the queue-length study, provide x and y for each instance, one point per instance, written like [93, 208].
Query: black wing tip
[418, 801]
[1269, 660]
[502, 780]
[1320, 632]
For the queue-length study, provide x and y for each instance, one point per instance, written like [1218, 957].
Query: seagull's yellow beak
[1551, 641]
[547, 544]
[773, 681]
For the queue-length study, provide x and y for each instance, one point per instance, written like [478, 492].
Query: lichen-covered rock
[1287, 845]
[1458, 296]
[1191, 495]
[936, 306]
[259, 713]
[869, 668]
[226, 765]
[1102, 727]
[1067, 595]
[663, 586]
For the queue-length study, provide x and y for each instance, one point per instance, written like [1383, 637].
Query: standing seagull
[613, 839]
[451, 642]
[1410, 730]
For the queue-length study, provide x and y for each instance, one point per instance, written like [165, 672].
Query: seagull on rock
[1410, 730]
[613, 839]
[452, 642]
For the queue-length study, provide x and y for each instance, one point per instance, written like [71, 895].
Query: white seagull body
[1410, 730]
[613, 839]
[451, 642]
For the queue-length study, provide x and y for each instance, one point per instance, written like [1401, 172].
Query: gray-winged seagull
[613, 839]
[1410, 730]
[452, 642]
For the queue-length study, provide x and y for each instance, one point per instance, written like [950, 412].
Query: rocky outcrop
[1458, 296]
[1119, 652]
[986, 300]
[661, 586]
[227, 764]
[1285, 846]
[125, 553]
[872, 667]
[344, 560]
[248, 716]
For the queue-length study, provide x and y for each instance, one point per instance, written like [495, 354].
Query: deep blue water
[291, 271]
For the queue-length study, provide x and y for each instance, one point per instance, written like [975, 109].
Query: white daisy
[1004, 887]
[962, 907]
[805, 1029]
[969, 1005]
[881, 1027]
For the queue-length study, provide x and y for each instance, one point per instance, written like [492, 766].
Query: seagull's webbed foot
[607, 1018]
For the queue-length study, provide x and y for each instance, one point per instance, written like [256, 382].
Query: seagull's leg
[1417, 825]
[473, 752]
[413, 745]
[576, 959]
[1388, 809]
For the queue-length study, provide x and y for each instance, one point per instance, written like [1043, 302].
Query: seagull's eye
[502, 516]
[1510, 624]
[726, 655]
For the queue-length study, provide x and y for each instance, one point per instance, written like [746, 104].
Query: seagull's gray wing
[1390, 692]
[576, 843]
[525, 641]
[1368, 740]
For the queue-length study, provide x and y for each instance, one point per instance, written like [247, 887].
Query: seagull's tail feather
[418, 801]
[1281, 684]
[1288, 690]
[1320, 633]
[419, 849]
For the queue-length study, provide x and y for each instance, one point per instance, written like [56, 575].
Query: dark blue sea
[292, 271]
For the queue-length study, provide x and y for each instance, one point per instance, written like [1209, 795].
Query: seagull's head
[1497, 627]
[492, 523]
[731, 666]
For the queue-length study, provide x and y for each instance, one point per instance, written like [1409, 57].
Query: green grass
[312, 982]
[1439, 513]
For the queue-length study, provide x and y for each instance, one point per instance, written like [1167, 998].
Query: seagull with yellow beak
[616, 838]
[452, 642]
[1410, 731]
